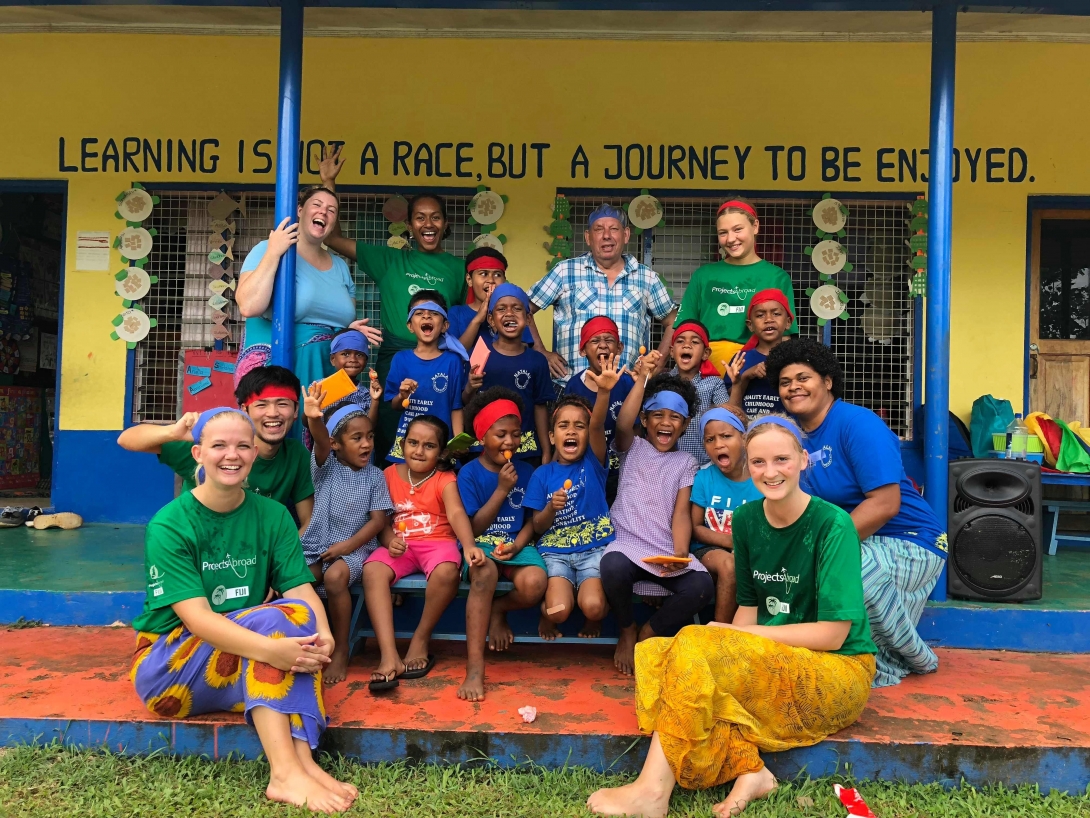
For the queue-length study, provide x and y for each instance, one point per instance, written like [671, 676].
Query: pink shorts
[422, 556]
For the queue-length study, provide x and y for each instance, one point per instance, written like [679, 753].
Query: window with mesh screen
[874, 346]
[179, 301]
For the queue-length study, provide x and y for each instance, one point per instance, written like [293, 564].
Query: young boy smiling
[486, 269]
[769, 318]
[514, 365]
[349, 352]
[427, 380]
[690, 349]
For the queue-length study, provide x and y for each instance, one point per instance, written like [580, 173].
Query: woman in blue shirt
[855, 462]
[325, 294]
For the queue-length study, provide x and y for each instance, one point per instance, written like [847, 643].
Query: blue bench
[1051, 518]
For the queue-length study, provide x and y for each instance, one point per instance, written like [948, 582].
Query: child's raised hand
[559, 499]
[408, 386]
[476, 378]
[474, 555]
[375, 386]
[312, 401]
[734, 368]
[647, 364]
[508, 477]
[610, 374]
[183, 427]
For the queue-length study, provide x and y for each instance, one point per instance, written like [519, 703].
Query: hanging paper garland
[829, 256]
[827, 302]
[485, 209]
[561, 232]
[396, 211]
[221, 257]
[132, 326]
[917, 285]
[132, 283]
[645, 212]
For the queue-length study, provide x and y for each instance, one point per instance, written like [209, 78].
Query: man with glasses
[603, 282]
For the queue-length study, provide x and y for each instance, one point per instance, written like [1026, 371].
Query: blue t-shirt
[584, 521]
[460, 316]
[438, 392]
[476, 485]
[617, 395]
[720, 497]
[528, 374]
[853, 452]
[761, 397]
[326, 297]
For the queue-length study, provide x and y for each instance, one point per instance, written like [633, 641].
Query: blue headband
[208, 414]
[342, 416]
[447, 341]
[607, 211]
[667, 400]
[350, 339]
[509, 290]
[722, 415]
[783, 423]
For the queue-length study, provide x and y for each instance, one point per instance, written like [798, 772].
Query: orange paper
[665, 560]
[480, 356]
[337, 387]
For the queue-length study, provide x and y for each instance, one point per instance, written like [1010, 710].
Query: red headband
[596, 326]
[740, 205]
[483, 263]
[493, 412]
[707, 367]
[270, 392]
[760, 298]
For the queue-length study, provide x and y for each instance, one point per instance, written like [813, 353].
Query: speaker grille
[994, 553]
[1024, 506]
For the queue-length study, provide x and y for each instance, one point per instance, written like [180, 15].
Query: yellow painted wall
[565, 93]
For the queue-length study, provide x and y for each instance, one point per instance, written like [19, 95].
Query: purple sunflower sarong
[177, 674]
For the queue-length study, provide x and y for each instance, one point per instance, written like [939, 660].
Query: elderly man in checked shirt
[606, 281]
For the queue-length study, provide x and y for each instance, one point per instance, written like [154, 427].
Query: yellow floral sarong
[716, 696]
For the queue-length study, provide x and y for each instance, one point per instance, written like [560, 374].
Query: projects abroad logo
[227, 563]
[740, 292]
[789, 580]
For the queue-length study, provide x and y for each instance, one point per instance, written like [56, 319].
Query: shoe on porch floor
[64, 519]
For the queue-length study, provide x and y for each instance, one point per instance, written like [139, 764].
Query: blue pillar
[940, 218]
[287, 175]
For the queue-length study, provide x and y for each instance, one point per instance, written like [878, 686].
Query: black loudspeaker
[995, 530]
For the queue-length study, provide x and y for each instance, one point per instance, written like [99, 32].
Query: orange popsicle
[643, 350]
[374, 375]
[507, 455]
[567, 485]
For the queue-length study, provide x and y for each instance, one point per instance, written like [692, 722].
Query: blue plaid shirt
[578, 291]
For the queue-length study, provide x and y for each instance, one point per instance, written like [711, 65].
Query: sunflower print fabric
[717, 696]
[179, 675]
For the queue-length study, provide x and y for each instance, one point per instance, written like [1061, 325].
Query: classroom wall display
[917, 285]
[560, 230]
[485, 209]
[20, 428]
[208, 379]
[221, 255]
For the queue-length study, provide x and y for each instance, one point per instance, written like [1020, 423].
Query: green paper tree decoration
[561, 232]
[917, 285]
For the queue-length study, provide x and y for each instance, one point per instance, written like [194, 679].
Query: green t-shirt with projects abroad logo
[400, 273]
[191, 551]
[810, 571]
[718, 296]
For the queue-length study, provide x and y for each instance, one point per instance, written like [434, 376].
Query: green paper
[504, 199]
[645, 191]
[808, 251]
[118, 216]
[848, 267]
[137, 185]
[122, 275]
[461, 443]
[918, 262]
[841, 233]
[117, 242]
[502, 238]
[142, 263]
[131, 344]
[825, 196]
[810, 290]
[481, 188]
[918, 242]
[662, 222]
[918, 223]
[472, 220]
[124, 260]
[821, 322]
[126, 303]
[114, 336]
[918, 207]
[843, 297]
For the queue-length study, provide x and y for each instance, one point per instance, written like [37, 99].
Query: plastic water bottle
[1017, 439]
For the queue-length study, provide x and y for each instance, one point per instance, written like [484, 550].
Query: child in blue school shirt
[486, 269]
[720, 487]
[349, 352]
[429, 379]
[571, 515]
[513, 365]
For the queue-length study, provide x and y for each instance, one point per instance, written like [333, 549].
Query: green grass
[50, 781]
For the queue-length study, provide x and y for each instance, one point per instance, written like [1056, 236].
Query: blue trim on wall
[102, 482]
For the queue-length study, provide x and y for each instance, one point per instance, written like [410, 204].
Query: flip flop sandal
[64, 519]
[420, 672]
[13, 517]
[389, 683]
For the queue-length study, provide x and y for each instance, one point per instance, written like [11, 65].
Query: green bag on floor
[990, 416]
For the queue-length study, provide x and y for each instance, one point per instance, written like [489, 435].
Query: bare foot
[472, 689]
[632, 799]
[386, 671]
[591, 629]
[337, 669]
[312, 769]
[303, 791]
[398, 600]
[547, 630]
[747, 788]
[500, 635]
[624, 657]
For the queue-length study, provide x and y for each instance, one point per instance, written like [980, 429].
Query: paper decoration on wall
[135, 204]
[220, 332]
[397, 242]
[561, 232]
[828, 302]
[218, 301]
[396, 208]
[223, 206]
[645, 212]
[219, 285]
[917, 285]
[222, 226]
[132, 284]
[829, 256]
[830, 216]
[132, 326]
[135, 243]
[485, 209]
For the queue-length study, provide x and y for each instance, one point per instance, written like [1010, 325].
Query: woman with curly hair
[856, 464]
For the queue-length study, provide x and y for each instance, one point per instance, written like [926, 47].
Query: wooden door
[1060, 314]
